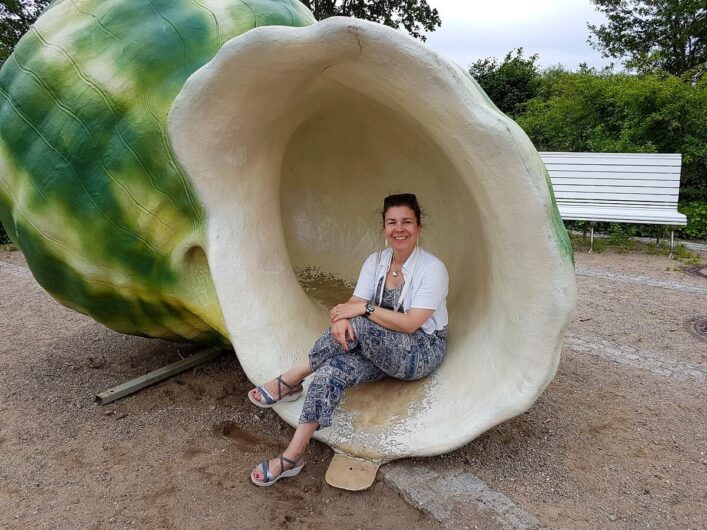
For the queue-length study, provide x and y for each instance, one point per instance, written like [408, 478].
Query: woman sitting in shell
[394, 325]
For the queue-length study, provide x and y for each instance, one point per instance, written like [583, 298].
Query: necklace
[393, 271]
[406, 284]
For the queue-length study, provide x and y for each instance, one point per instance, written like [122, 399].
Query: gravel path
[641, 280]
[658, 363]
[454, 497]
[15, 270]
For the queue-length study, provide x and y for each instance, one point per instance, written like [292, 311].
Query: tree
[16, 16]
[652, 35]
[415, 16]
[510, 84]
[622, 113]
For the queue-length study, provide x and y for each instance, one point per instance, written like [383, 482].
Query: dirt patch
[175, 455]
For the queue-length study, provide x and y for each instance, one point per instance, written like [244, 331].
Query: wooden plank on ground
[158, 375]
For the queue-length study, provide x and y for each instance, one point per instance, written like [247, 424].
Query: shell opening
[292, 162]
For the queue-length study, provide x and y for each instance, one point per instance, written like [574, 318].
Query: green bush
[621, 113]
[696, 213]
[510, 83]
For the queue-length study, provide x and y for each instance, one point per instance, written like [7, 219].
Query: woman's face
[401, 228]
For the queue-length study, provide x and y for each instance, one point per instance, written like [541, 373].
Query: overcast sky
[554, 29]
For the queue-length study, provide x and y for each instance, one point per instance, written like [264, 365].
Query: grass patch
[7, 247]
[620, 244]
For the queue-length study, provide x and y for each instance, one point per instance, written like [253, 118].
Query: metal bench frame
[639, 188]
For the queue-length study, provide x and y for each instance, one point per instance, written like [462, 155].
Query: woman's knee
[323, 372]
[323, 349]
[337, 372]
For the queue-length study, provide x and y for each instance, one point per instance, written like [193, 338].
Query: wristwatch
[370, 308]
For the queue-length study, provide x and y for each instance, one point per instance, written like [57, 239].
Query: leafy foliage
[510, 83]
[623, 113]
[652, 35]
[586, 111]
[416, 16]
[16, 16]
[603, 111]
[696, 213]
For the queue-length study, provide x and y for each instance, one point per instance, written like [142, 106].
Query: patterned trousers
[377, 352]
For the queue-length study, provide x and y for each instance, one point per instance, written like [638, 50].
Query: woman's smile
[401, 228]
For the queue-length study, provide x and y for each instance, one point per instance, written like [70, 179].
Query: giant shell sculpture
[211, 170]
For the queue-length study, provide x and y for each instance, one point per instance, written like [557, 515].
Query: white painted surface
[616, 187]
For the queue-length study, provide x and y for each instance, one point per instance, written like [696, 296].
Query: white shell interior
[292, 137]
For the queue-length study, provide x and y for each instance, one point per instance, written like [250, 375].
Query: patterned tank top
[390, 296]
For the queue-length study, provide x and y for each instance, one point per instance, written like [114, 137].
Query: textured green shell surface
[561, 235]
[89, 187]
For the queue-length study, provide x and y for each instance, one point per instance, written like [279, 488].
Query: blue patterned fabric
[377, 352]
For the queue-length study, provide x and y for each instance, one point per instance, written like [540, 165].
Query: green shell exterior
[561, 236]
[89, 187]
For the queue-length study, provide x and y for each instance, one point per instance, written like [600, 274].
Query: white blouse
[426, 286]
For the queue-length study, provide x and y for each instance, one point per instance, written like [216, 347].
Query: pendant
[395, 274]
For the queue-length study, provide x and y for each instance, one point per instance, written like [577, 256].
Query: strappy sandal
[295, 392]
[270, 479]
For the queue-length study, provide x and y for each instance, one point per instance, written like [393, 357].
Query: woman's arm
[405, 322]
[339, 309]
[342, 330]
[408, 322]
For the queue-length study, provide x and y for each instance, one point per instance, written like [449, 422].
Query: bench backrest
[614, 179]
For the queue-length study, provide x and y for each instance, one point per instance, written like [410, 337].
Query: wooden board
[158, 375]
[623, 215]
[350, 473]
[606, 168]
[634, 159]
[600, 179]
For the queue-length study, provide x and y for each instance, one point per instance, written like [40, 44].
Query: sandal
[295, 392]
[270, 479]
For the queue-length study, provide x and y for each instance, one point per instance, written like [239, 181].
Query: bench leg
[591, 238]
[672, 243]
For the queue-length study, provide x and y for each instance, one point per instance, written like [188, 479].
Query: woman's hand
[343, 333]
[347, 310]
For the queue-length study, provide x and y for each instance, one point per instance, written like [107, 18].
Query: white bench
[637, 188]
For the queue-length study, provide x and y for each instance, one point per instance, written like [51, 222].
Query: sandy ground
[610, 444]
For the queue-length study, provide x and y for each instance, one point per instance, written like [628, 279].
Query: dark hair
[403, 199]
